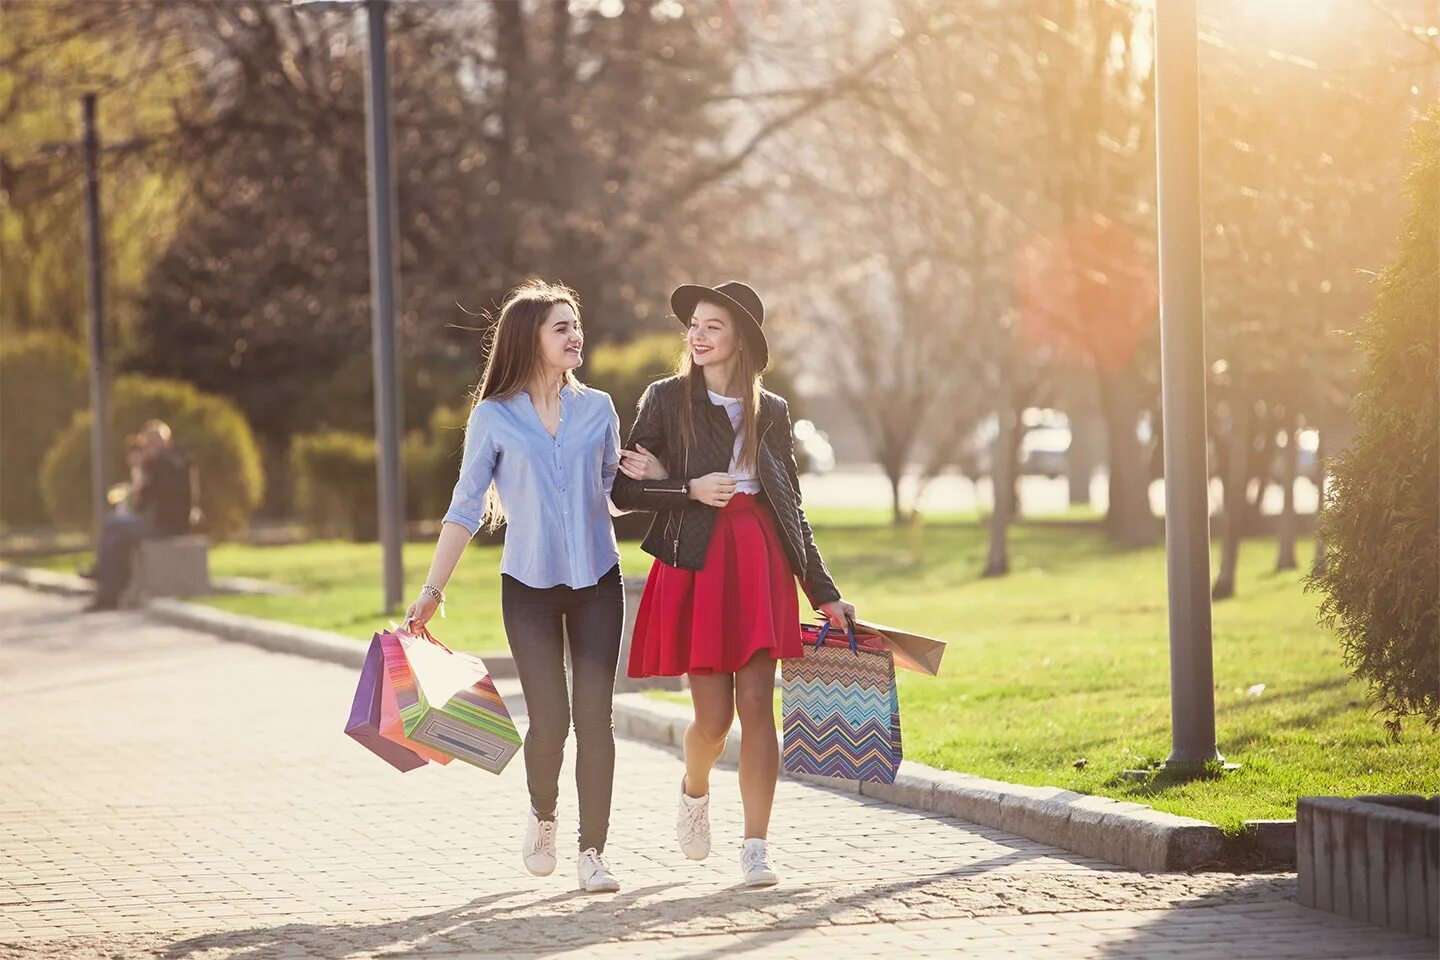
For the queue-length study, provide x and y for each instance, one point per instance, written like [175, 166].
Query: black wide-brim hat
[743, 303]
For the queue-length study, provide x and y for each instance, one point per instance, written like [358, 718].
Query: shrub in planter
[210, 430]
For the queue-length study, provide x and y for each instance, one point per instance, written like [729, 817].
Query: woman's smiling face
[712, 335]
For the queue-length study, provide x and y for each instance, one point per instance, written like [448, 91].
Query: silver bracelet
[436, 594]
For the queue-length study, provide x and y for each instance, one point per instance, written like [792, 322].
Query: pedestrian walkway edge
[1128, 834]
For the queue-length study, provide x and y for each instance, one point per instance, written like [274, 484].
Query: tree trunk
[1129, 521]
[1002, 485]
[1081, 459]
[1289, 467]
[895, 474]
[1237, 476]
[1012, 485]
[1261, 457]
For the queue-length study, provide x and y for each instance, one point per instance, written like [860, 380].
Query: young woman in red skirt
[712, 454]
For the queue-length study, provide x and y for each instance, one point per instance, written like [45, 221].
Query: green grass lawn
[1066, 658]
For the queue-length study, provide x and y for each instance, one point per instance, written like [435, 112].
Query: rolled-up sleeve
[477, 469]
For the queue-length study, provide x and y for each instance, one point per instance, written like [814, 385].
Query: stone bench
[170, 567]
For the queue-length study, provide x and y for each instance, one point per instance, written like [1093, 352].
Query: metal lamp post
[95, 287]
[383, 287]
[1182, 374]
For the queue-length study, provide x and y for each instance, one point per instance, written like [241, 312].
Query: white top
[749, 481]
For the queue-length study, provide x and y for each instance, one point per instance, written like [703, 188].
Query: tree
[897, 281]
[1295, 140]
[1381, 521]
[51, 54]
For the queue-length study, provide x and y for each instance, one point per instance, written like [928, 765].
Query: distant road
[866, 486]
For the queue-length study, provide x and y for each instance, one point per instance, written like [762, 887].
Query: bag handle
[849, 632]
[421, 631]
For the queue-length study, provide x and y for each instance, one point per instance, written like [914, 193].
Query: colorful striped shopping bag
[368, 713]
[840, 707]
[448, 702]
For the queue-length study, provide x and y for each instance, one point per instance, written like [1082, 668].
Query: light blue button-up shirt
[555, 490]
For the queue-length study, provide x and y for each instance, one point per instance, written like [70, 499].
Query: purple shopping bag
[364, 723]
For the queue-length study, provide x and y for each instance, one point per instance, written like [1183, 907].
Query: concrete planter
[1372, 858]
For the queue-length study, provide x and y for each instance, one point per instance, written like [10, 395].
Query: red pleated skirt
[714, 620]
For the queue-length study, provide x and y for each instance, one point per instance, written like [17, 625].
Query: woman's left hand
[641, 464]
[838, 611]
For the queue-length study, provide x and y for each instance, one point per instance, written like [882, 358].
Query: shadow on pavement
[572, 920]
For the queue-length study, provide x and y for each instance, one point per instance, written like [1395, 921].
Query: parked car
[1044, 451]
[813, 453]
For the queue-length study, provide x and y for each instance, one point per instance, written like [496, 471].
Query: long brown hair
[512, 346]
[749, 371]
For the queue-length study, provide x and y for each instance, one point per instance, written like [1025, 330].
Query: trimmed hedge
[335, 483]
[43, 384]
[625, 370]
[210, 430]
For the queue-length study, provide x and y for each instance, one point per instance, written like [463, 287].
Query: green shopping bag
[449, 703]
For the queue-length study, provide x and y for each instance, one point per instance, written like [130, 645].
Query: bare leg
[714, 699]
[759, 753]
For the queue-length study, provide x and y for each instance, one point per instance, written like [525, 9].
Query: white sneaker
[755, 864]
[539, 850]
[595, 875]
[692, 824]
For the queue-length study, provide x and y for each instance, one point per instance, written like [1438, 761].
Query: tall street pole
[99, 408]
[1182, 374]
[390, 479]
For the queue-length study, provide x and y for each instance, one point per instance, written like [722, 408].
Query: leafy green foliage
[210, 430]
[1381, 521]
[335, 482]
[42, 385]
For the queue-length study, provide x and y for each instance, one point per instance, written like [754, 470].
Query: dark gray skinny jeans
[536, 624]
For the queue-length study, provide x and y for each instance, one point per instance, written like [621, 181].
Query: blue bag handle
[849, 632]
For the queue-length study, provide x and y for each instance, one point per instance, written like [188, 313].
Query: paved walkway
[166, 794]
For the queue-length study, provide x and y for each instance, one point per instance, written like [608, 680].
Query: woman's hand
[838, 611]
[641, 464]
[713, 489]
[421, 611]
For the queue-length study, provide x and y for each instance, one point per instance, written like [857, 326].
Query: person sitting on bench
[161, 498]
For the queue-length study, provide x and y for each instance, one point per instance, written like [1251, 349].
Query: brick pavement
[166, 794]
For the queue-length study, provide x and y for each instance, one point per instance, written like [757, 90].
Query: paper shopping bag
[449, 703]
[913, 651]
[364, 723]
[841, 709]
[399, 676]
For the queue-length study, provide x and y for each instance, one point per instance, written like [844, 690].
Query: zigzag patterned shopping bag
[841, 709]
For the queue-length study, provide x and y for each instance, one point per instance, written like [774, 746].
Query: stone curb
[45, 581]
[1128, 834]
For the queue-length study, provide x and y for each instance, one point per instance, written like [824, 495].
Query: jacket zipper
[680, 525]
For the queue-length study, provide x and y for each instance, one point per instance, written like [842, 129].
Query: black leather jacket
[680, 532]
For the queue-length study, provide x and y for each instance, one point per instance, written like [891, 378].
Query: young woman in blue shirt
[541, 454]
